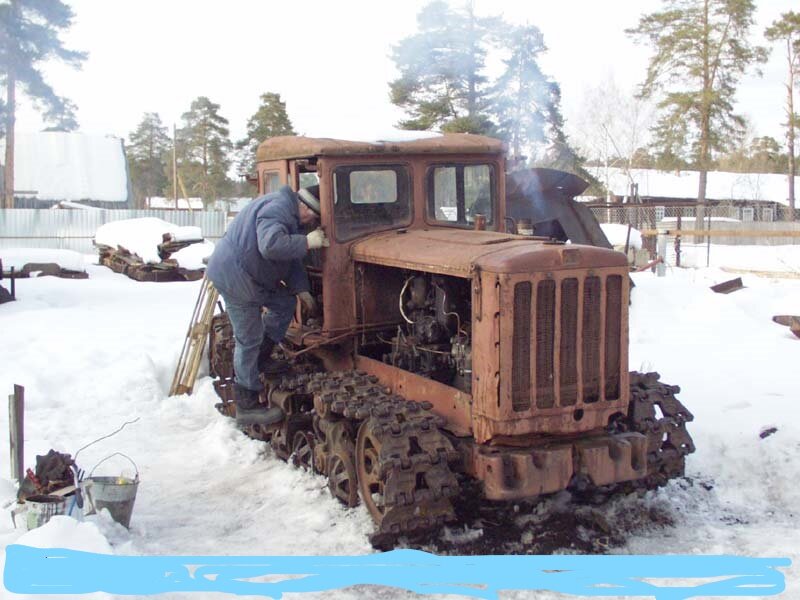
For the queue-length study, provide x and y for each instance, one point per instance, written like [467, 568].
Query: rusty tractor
[449, 346]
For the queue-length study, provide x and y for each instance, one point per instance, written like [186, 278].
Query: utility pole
[11, 88]
[175, 165]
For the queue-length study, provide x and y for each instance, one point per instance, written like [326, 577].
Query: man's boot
[267, 364]
[250, 412]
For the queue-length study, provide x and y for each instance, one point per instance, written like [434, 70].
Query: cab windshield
[369, 199]
[457, 193]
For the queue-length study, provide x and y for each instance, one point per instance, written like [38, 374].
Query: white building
[52, 167]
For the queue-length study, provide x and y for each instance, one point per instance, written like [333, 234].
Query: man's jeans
[250, 326]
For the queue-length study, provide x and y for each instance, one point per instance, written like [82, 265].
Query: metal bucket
[41, 508]
[116, 494]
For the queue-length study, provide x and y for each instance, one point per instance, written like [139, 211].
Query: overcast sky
[330, 60]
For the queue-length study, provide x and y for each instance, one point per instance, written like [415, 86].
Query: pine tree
[522, 93]
[701, 50]
[787, 29]
[29, 31]
[203, 148]
[147, 151]
[270, 120]
[441, 81]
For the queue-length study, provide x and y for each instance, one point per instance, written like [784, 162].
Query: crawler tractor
[449, 347]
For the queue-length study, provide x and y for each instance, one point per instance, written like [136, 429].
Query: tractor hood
[458, 252]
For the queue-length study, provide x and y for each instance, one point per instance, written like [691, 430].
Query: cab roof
[285, 147]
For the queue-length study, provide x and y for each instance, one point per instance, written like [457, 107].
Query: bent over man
[259, 263]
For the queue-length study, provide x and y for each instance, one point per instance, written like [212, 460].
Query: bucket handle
[115, 454]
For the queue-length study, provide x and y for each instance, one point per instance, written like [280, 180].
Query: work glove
[308, 302]
[317, 239]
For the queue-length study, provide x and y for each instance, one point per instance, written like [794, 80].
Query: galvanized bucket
[42, 508]
[116, 494]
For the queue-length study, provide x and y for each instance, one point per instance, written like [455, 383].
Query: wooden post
[175, 165]
[16, 429]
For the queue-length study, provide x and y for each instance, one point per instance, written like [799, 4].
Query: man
[259, 263]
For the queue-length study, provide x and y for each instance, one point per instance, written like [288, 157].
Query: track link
[371, 444]
[655, 412]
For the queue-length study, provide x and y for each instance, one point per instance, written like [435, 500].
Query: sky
[331, 61]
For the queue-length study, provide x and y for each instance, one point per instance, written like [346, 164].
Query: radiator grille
[545, 342]
[521, 351]
[568, 352]
[613, 335]
[591, 339]
[567, 342]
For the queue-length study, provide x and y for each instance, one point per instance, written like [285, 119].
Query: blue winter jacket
[262, 247]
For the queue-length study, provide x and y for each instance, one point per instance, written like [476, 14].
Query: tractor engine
[434, 340]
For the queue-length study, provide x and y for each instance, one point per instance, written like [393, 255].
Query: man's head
[308, 205]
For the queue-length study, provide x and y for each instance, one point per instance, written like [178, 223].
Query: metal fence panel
[75, 229]
[723, 218]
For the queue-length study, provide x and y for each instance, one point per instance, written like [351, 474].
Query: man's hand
[317, 239]
[308, 302]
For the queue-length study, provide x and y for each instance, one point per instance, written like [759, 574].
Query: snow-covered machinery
[142, 249]
[449, 348]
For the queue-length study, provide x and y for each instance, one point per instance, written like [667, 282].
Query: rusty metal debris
[765, 433]
[790, 321]
[5, 295]
[121, 260]
[32, 269]
[53, 472]
[726, 287]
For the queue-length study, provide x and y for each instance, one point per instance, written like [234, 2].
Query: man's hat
[310, 197]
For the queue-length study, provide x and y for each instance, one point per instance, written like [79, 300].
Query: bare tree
[612, 129]
[787, 29]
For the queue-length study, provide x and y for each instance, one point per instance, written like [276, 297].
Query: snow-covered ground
[96, 353]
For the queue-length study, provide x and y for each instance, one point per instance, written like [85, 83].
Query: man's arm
[274, 240]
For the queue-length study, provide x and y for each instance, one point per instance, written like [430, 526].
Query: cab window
[271, 181]
[370, 198]
[456, 193]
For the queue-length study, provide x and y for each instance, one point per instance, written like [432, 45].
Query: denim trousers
[251, 326]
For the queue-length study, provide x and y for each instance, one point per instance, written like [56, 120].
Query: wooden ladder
[195, 342]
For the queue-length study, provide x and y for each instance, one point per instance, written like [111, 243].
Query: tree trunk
[705, 125]
[790, 136]
[10, 120]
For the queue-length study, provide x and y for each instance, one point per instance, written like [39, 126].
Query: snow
[375, 136]
[142, 237]
[721, 185]
[19, 257]
[73, 205]
[617, 234]
[110, 346]
[169, 203]
[767, 259]
[56, 165]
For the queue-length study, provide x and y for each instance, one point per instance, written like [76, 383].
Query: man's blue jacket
[262, 247]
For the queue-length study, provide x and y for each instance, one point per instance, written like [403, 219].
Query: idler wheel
[370, 483]
[303, 450]
[342, 477]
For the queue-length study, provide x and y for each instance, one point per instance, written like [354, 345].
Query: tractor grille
[567, 342]
[521, 378]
